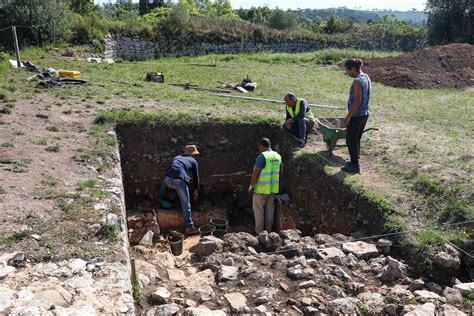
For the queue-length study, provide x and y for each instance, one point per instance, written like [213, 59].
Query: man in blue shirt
[177, 177]
[358, 111]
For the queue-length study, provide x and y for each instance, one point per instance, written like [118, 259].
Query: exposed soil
[447, 66]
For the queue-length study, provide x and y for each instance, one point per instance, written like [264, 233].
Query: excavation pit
[311, 200]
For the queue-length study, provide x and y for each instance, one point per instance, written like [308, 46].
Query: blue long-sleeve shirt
[299, 119]
[184, 167]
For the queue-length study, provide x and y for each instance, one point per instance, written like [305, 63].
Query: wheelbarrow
[333, 129]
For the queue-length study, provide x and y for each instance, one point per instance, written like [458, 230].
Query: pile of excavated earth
[289, 274]
[446, 66]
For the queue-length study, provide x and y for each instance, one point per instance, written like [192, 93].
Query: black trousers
[354, 133]
[295, 129]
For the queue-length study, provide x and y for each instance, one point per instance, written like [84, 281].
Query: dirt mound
[447, 66]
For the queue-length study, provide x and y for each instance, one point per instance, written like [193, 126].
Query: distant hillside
[412, 17]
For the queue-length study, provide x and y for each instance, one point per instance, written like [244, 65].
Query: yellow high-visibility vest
[309, 114]
[269, 180]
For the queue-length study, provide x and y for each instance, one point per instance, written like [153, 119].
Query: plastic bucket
[206, 230]
[219, 233]
[220, 223]
[175, 240]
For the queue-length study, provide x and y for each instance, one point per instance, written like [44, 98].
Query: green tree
[337, 25]
[145, 6]
[221, 8]
[43, 21]
[450, 21]
[83, 7]
[282, 20]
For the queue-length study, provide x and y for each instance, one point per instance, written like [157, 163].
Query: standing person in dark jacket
[358, 111]
[177, 178]
[299, 117]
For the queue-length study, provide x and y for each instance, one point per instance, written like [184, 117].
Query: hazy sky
[403, 5]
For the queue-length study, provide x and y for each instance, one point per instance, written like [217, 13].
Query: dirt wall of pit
[319, 203]
[146, 152]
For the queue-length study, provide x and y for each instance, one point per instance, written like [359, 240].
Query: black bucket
[175, 239]
[220, 223]
[206, 230]
[219, 233]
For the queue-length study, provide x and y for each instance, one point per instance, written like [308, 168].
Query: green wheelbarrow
[333, 129]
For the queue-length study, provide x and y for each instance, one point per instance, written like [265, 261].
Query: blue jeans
[181, 188]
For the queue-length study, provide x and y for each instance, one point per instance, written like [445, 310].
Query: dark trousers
[295, 129]
[354, 133]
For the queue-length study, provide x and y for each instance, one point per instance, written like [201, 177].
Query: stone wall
[142, 49]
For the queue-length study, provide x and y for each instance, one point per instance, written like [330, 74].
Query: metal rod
[276, 101]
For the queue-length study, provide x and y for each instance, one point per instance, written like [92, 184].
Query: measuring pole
[17, 49]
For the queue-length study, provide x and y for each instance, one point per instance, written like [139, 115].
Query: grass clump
[8, 145]
[14, 238]
[2, 190]
[52, 128]
[53, 148]
[429, 238]
[86, 184]
[6, 110]
[50, 182]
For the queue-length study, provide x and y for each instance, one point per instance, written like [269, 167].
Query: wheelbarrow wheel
[330, 144]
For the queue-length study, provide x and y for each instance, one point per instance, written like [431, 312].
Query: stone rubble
[286, 273]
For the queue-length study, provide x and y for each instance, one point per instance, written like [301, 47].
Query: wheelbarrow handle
[371, 129]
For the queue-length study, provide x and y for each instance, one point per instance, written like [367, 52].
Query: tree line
[46, 22]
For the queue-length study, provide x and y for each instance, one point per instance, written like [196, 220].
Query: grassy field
[424, 148]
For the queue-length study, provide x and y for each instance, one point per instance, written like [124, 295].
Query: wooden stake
[17, 49]
[134, 271]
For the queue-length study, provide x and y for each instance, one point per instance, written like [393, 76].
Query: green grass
[423, 148]
[86, 184]
[2, 190]
[52, 128]
[54, 148]
[14, 238]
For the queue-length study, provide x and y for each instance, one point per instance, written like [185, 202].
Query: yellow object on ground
[73, 74]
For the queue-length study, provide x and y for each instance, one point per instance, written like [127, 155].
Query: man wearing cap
[299, 118]
[265, 183]
[177, 177]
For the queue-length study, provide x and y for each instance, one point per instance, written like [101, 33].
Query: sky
[402, 5]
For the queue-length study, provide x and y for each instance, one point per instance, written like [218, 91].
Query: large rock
[57, 296]
[344, 306]
[291, 234]
[205, 277]
[227, 273]
[393, 270]
[449, 310]
[452, 296]
[176, 275]
[203, 311]
[236, 300]
[427, 309]
[324, 239]
[417, 284]
[5, 270]
[199, 293]
[329, 253]
[447, 258]
[6, 298]
[360, 249]
[206, 246]
[164, 310]
[147, 269]
[269, 241]
[239, 241]
[465, 288]
[373, 303]
[426, 296]
[160, 296]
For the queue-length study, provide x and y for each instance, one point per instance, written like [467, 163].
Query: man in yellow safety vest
[265, 183]
[299, 118]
